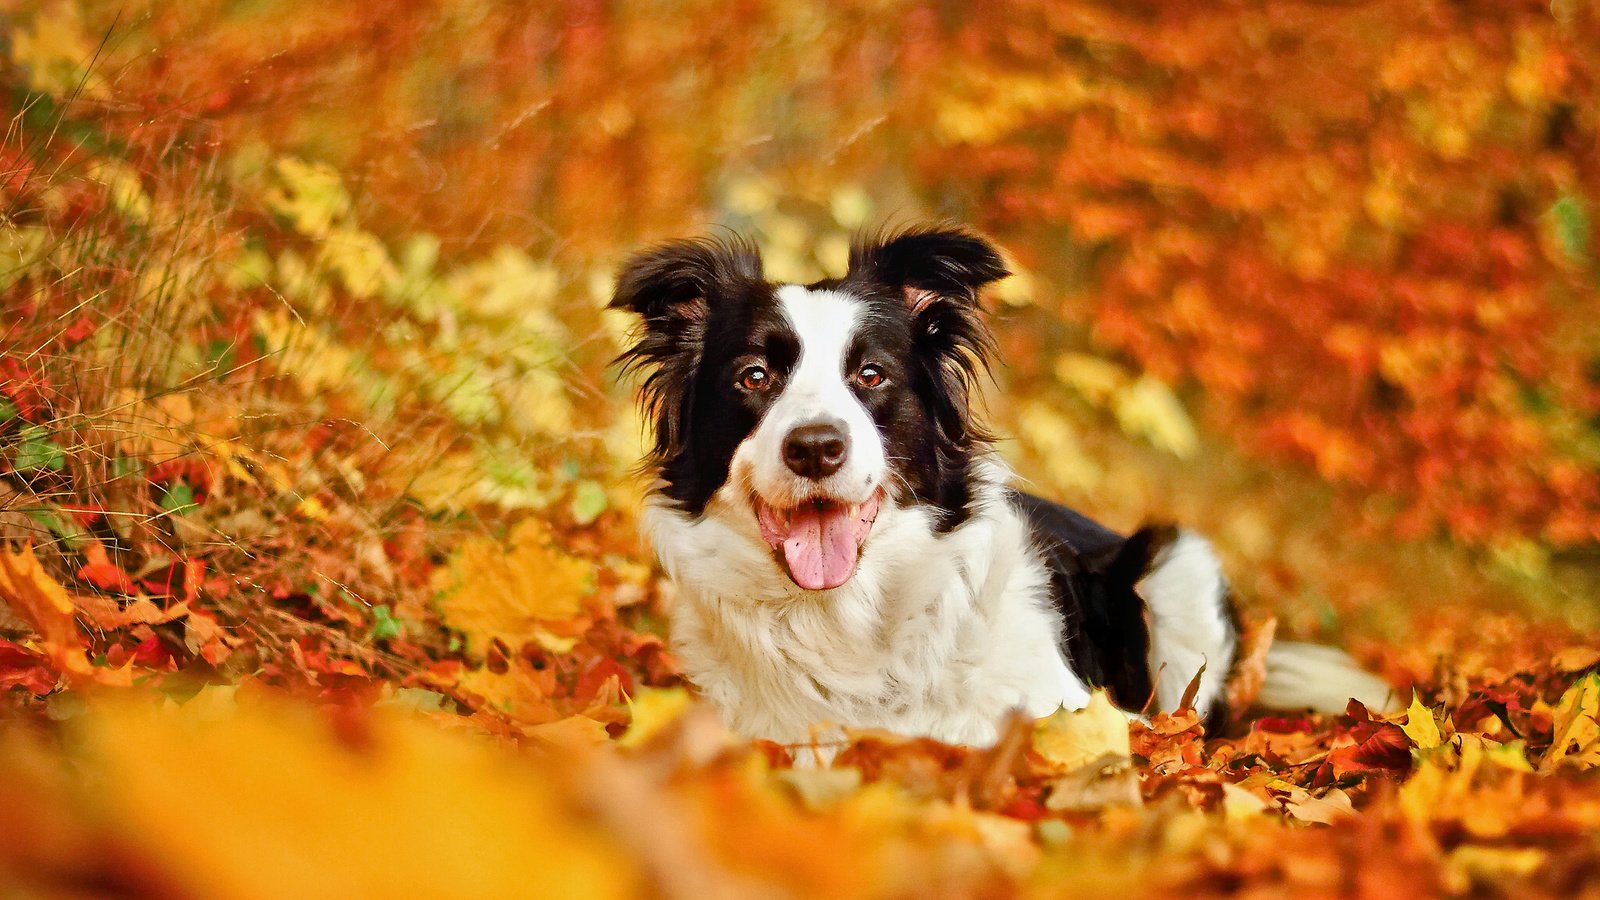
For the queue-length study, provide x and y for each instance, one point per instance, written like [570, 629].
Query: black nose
[816, 450]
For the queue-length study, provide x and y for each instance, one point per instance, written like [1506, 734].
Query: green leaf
[219, 355]
[1569, 221]
[588, 502]
[36, 451]
[178, 498]
[63, 527]
[8, 410]
[384, 624]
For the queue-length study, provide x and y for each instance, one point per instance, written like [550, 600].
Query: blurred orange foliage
[1360, 231]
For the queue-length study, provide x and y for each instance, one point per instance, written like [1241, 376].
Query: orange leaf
[46, 606]
[1250, 671]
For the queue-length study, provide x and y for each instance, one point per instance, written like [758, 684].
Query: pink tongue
[821, 546]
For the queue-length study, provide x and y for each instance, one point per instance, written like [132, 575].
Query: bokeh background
[301, 306]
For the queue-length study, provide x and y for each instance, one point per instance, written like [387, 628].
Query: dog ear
[929, 263]
[672, 288]
[937, 271]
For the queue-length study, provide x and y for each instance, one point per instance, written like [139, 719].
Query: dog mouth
[818, 541]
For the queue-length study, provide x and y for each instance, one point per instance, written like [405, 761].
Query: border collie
[847, 549]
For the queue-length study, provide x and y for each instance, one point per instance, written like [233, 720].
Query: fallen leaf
[1112, 782]
[299, 811]
[1239, 803]
[1575, 734]
[1470, 865]
[1420, 726]
[1380, 747]
[1307, 807]
[653, 710]
[515, 592]
[48, 609]
[27, 669]
[1068, 739]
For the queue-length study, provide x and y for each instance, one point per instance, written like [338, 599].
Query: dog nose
[816, 450]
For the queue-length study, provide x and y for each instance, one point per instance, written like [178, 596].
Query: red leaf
[1385, 749]
[104, 574]
[108, 577]
[595, 678]
[79, 331]
[21, 667]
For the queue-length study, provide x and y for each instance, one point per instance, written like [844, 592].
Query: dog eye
[869, 376]
[754, 378]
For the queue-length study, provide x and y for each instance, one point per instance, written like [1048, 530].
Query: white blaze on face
[819, 542]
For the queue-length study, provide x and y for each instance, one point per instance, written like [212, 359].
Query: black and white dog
[848, 550]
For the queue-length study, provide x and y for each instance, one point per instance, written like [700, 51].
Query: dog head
[813, 405]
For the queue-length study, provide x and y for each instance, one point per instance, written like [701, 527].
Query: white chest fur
[936, 635]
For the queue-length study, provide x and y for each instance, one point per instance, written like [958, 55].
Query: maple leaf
[1379, 748]
[653, 709]
[513, 593]
[1070, 739]
[46, 606]
[1420, 726]
[1576, 734]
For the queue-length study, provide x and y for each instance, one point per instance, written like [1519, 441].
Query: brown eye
[754, 378]
[869, 376]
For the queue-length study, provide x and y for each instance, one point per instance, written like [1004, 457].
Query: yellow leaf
[1490, 866]
[56, 50]
[749, 196]
[360, 260]
[124, 187]
[1096, 379]
[572, 732]
[1050, 437]
[1073, 739]
[1420, 726]
[1446, 787]
[1512, 755]
[489, 591]
[653, 709]
[164, 427]
[313, 509]
[1239, 803]
[515, 692]
[1148, 409]
[1577, 735]
[851, 207]
[411, 810]
[310, 195]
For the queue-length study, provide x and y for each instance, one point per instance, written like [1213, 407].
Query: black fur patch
[1093, 571]
[704, 307]
[923, 283]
